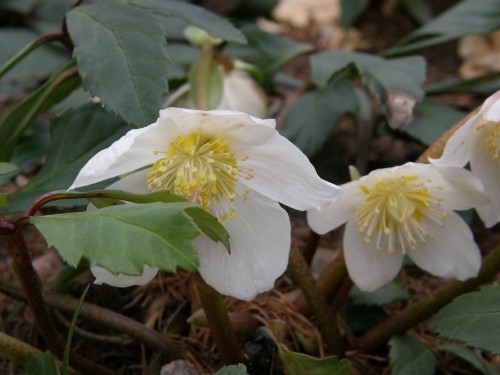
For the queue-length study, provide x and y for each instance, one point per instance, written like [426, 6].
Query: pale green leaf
[473, 318]
[316, 113]
[301, 364]
[122, 58]
[388, 293]
[42, 364]
[469, 356]
[194, 15]
[465, 18]
[124, 238]
[76, 136]
[409, 356]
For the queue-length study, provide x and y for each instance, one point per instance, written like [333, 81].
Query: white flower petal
[451, 253]
[487, 169]
[338, 212]
[103, 276]
[459, 188]
[212, 122]
[491, 108]
[283, 173]
[260, 244]
[241, 93]
[458, 147]
[133, 183]
[133, 151]
[368, 268]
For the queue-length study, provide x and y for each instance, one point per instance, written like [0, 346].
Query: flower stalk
[426, 307]
[326, 320]
[203, 75]
[219, 323]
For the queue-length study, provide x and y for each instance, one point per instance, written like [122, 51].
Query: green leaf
[351, 10]
[207, 223]
[239, 369]
[469, 356]
[124, 238]
[484, 84]
[4, 201]
[302, 364]
[267, 51]
[379, 75]
[411, 357]
[122, 58]
[465, 18]
[16, 120]
[473, 318]
[7, 168]
[76, 136]
[419, 10]
[42, 364]
[388, 293]
[431, 120]
[213, 24]
[38, 65]
[316, 113]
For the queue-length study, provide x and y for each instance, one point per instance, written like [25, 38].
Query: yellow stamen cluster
[394, 212]
[199, 168]
[493, 141]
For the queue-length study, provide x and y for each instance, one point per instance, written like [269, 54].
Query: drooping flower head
[405, 210]
[235, 166]
[478, 142]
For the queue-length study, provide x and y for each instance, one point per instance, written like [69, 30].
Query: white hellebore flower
[478, 142]
[405, 210]
[235, 166]
[239, 93]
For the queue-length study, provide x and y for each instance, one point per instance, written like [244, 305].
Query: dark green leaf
[381, 76]
[15, 121]
[302, 364]
[465, 18]
[351, 10]
[360, 318]
[431, 120]
[312, 118]
[214, 25]
[388, 293]
[473, 318]
[419, 10]
[411, 357]
[122, 58]
[124, 238]
[42, 364]
[6, 168]
[485, 84]
[76, 136]
[239, 369]
[267, 51]
[35, 67]
[469, 356]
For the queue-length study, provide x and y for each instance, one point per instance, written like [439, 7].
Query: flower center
[493, 142]
[201, 169]
[394, 211]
